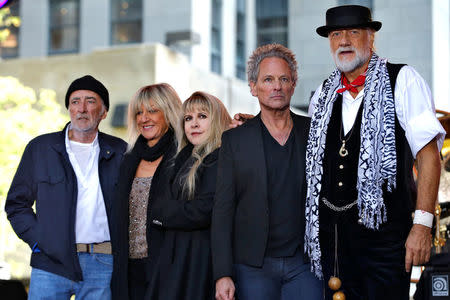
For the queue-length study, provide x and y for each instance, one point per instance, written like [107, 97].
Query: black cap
[91, 84]
[348, 16]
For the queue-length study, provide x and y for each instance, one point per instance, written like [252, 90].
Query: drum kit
[442, 212]
[441, 241]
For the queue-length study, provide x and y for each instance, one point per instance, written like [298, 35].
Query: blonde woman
[153, 126]
[184, 267]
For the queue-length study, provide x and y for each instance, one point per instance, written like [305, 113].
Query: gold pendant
[339, 296]
[334, 283]
[343, 152]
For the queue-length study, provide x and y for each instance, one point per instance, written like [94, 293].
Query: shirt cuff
[422, 129]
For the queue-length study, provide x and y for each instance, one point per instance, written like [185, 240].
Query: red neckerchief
[352, 86]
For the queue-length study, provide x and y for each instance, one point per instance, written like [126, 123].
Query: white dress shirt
[414, 108]
[91, 222]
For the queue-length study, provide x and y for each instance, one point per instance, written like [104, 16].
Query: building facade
[218, 35]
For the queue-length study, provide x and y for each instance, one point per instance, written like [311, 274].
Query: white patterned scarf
[377, 163]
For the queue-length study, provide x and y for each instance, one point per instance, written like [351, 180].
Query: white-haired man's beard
[361, 57]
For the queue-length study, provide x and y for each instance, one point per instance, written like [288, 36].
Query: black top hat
[348, 16]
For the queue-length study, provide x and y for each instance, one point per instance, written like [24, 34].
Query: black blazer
[120, 214]
[240, 219]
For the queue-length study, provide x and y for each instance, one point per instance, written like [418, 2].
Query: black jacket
[120, 213]
[45, 175]
[240, 219]
[184, 269]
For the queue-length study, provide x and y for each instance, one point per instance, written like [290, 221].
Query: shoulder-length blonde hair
[165, 98]
[219, 122]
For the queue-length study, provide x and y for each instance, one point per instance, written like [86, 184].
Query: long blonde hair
[219, 122]
[165, 98]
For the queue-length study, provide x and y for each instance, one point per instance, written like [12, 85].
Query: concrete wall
[124, 70]
[95, 25]
[33, 37]
[441, 53]
[312, 50]
[406, 33]
[200, 54]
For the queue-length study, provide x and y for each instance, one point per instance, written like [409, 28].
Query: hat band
[346, 21]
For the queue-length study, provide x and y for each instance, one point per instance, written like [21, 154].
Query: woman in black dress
[153, 127]
[184, 268]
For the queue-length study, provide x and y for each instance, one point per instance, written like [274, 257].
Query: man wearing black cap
[71, 175]
[370, 119]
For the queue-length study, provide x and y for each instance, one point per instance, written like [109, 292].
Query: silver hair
[270, 50]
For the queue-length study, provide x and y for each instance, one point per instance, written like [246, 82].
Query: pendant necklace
[342, 151]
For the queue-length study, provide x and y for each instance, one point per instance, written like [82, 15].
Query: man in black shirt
[258, 216]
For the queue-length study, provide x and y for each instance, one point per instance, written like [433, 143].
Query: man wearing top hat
[370, 120]
[71, 176]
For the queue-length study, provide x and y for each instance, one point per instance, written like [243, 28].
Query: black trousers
[140, 273]
[371, 263]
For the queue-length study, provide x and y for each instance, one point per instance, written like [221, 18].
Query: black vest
[340, 173]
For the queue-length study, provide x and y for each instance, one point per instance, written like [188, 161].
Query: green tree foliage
[23, 116]
[6, 21]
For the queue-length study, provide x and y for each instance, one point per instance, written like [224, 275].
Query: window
[366, 3]
[9, 32]
[64, 26]
[126, 21]
[216, 36]
[240, 40]
[271, 19]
